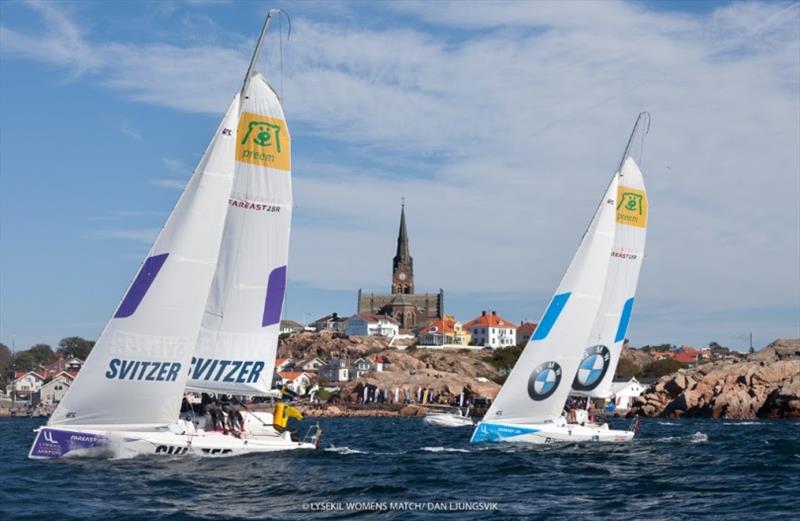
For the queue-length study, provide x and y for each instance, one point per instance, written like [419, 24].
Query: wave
[443, 449]
[741, 423]
[345, 450]
[697, 437]
[666, 423]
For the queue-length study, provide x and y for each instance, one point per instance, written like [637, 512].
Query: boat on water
[454, 417]
[203, 311]
[576, 346]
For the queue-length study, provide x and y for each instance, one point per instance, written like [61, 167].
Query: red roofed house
[490, 330]
[686, 355]
[444, 331]
[525, 332]
[25, 384]
[299, 382]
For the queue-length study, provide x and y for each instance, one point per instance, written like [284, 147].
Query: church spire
[402, 255]
[403, 264]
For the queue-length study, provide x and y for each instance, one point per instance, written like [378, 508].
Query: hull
[544, 433]
[448, 420]
[51, 443]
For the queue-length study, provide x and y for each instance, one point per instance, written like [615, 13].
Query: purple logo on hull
[54, 443]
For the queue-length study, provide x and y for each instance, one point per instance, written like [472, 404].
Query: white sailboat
[453, 417]
[204, 309]
[529, 406]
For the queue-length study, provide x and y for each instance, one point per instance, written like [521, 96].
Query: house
[444, 331]
[25, 384]
[331, 322]
[282, 364]
[289, 327]
[525, 332]
[361, 367]
[623, 393]
[686, 355]
[491, 330]
[308, 364]
[378, 364]
[299, 382]
[336, 370]
[367, 324]
[53, 392]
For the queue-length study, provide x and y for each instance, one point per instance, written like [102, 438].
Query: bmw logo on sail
[592, 368]
[544, 380]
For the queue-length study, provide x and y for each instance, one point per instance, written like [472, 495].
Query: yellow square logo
[631, 206]
[263, 141]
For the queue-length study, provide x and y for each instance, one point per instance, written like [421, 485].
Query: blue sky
[500, 123]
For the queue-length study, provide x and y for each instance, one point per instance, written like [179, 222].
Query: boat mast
[643, 116]
[257, 51]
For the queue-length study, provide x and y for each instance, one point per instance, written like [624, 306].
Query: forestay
[601, 356]
[539, 383]
[136, 373]
[239, 334]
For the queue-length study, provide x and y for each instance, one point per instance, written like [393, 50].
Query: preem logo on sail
[544, 381]
[631, 206]
[592, 368]
[263, 141]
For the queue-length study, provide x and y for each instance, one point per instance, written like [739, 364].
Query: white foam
[345, 450]
[443, 449]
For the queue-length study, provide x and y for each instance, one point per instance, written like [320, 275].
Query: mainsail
[596, 370]
[539, 383]
[136, 373]
[603, 349]
[236, 350]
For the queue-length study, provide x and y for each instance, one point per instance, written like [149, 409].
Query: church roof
[403, 254]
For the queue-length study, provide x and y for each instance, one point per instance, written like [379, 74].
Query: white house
[25, 384]
[368, 324]
[624, 392]
[53, 391]
[337, 370]
[333, 322]
[490, 330]
[362, 366]
[299, 382]
[289, 327]
[308, 364]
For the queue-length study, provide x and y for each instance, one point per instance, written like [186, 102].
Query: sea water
[403, 469]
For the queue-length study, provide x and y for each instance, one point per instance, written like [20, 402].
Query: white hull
[54, 442]
[440, 419]
[551, 432]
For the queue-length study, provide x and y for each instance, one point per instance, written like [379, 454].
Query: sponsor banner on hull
[493, 432]
[54, 443]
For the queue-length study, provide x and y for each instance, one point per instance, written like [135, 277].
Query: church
[410, 309]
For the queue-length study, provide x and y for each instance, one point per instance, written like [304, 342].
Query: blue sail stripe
[551, 315]
[624, 320]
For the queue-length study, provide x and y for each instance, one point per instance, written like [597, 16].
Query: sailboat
[449, 417]
[572, 345]
[203, 311]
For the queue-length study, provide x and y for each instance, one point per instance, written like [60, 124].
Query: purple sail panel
[140, 285]
[276, 287]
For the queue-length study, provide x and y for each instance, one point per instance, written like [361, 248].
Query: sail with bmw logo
[202, 310]
[529, 406]
[600, 359]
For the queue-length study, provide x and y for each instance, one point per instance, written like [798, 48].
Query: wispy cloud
[142, 235]
[501, 124]
[128, 130]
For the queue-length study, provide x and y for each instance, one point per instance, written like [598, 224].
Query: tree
[42, 353]
[5, 361]
[661, 368]
[24, 361]
[627, 370]
[75, 347]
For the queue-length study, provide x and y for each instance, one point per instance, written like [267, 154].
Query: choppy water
[676, 469]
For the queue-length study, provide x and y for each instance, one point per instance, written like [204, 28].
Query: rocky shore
[764, 385]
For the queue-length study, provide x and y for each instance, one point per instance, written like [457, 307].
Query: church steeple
[403, 263]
